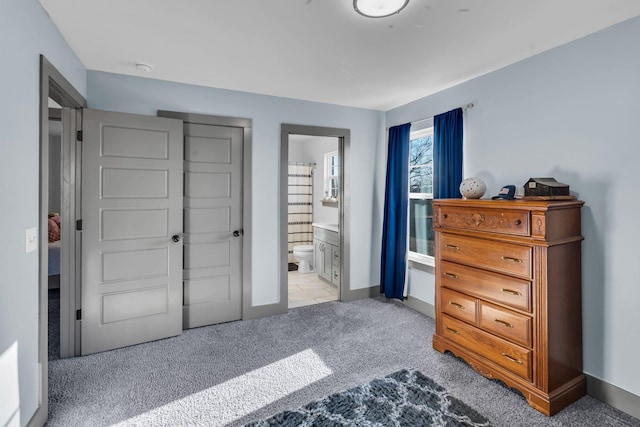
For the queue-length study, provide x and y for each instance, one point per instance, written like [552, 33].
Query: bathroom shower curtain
[300, 205]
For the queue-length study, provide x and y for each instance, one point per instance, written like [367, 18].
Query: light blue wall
[146, 96]
[571, 113]
[25, 33]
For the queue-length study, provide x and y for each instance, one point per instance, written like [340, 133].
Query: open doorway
[313, 220]
[56, 92]
[314, 229]
[54, 215]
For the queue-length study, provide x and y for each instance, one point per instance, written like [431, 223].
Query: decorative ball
[473, 188]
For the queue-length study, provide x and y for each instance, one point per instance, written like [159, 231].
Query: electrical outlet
[31, 239]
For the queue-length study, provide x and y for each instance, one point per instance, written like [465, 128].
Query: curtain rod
[464, 108]
[302, 163]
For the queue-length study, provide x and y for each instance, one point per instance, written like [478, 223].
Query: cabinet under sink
[326, 242]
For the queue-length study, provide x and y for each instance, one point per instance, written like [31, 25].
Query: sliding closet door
[132, 185]
[213, 159]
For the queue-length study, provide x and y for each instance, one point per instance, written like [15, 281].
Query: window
[331, 174]
[421, 244]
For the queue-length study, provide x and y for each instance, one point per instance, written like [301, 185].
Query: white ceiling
[322, 50]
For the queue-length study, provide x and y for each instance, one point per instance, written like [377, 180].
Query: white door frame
[53, 85]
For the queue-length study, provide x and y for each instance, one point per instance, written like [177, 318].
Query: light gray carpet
[54, 324]
[238, 372]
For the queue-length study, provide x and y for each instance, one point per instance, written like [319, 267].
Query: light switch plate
[31, 239]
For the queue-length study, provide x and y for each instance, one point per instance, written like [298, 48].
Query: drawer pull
[456, 305]
[510, 259]
[445, 216]
[453, 276]
[502, 322]
[452, 247]
[517, 222]
[511, 291]
[519, 362]
[452, 330]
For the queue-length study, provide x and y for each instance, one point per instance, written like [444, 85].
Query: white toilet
[304, 254]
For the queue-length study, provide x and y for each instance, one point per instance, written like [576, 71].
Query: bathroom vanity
[326, 248]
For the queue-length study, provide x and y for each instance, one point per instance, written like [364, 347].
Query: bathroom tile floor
[308, 289]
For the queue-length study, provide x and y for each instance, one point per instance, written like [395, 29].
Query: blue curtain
[447, 154]
[394, 228]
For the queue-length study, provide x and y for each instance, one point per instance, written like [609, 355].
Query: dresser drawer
[510, 356]
[504, 221]
[486, 285]
[502, 257]
[505, 323]
[459, 305]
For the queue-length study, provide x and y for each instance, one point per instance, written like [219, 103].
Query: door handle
[236, 233]
[175, 238]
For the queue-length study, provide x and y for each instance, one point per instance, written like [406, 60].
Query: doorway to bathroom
[313, 223]
[313, 220]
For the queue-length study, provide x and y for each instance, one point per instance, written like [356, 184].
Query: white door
[212, 224]
[132, 187]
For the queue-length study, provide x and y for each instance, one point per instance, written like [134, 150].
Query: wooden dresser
[508, 294]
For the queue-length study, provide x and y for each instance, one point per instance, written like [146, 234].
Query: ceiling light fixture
[144, 67]
[379, 8]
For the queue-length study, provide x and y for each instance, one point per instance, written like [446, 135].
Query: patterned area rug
[404, 399]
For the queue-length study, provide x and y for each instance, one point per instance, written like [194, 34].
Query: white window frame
[327, 173]
[415, 256]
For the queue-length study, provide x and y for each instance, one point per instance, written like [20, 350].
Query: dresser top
[524, 204]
